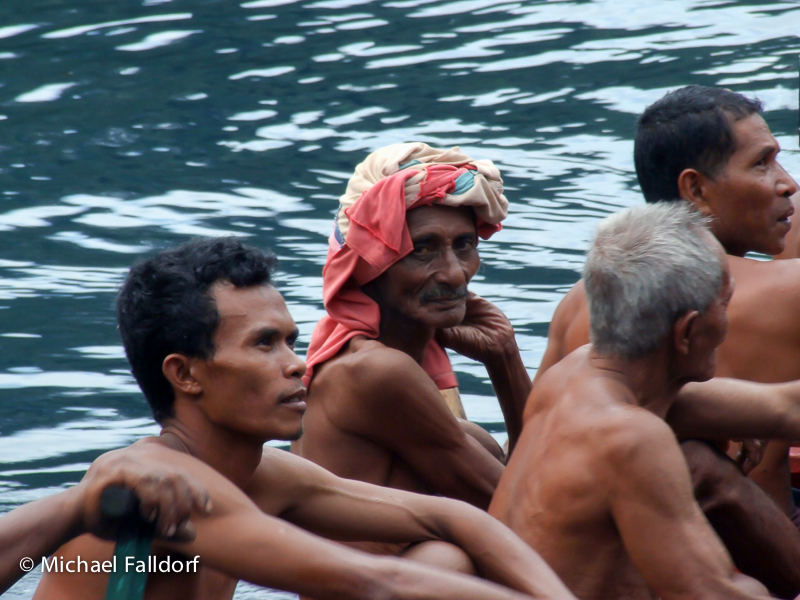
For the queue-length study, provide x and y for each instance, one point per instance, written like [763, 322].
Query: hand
[167, 494]
[484, 333]
[750, 455]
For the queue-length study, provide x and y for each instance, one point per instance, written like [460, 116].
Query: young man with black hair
[210, 341]
[711, 147]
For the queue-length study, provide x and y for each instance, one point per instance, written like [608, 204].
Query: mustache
[443, 294]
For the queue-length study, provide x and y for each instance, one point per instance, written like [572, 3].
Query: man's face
[749, 198]
[710, 329]
[252, 384]
[429, 286]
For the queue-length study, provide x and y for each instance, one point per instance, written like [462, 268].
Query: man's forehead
[752, 134]
[429, 219]
[250, 305]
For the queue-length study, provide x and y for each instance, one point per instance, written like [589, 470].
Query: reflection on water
[128, 128]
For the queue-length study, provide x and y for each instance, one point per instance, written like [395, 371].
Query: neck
[648, 378]
[231, 453]
[401, 333]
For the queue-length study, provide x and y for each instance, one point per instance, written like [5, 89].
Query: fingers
[168, 502]
[168, 495]
[750, 455]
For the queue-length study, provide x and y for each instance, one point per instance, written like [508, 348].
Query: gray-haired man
[598, 484]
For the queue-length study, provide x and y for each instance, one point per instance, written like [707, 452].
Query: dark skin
[269, 504]
[167, 496]
[374, 415]
[749, 203]
[594, 429]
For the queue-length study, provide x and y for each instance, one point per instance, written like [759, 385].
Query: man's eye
[422, 250]
[464, 244]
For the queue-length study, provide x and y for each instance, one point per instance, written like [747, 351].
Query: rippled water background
[129, 127]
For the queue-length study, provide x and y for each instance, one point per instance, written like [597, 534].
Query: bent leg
[441, 554]
[762, 541]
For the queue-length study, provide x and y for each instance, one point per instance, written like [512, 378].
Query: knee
[443, 555]
[715, 477]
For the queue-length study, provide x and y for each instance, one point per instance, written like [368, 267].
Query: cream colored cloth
[485, 196]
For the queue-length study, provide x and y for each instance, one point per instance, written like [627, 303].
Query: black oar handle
[120, 504]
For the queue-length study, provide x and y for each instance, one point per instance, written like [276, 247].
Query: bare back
[600, 488]
[762, 345]
[554, 491]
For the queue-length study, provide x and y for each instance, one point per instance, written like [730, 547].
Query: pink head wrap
[371, 234]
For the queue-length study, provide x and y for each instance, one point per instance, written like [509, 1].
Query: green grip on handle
[134, 541]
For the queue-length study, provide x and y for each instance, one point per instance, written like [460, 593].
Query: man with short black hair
[710, 147]
[211, 342]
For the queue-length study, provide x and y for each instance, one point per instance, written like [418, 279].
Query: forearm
[272, 553]
[408, 580]
[36, 530]
[723, 409]
[511, 385]
[496, 551]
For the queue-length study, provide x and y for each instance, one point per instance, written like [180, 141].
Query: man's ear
[691, 185]
[683, 330]
[177, 368]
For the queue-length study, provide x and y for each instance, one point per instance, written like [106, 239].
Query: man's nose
[450, 270]
[787, 186]
[295, 366]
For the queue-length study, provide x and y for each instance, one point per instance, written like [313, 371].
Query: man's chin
[293, 436]
[444, 319]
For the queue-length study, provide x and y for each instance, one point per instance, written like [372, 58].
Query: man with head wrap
[401, 255]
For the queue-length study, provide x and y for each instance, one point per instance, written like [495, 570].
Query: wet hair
[165, 307]
[689, 128]
[646, 267]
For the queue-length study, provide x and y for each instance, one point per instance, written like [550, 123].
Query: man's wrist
[73, 506]
[505, 355]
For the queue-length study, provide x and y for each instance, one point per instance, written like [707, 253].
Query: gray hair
[647, 266]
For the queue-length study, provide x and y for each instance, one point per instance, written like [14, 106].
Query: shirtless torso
[373, 412]
[374, 415]
[599, 486]
[763, 343]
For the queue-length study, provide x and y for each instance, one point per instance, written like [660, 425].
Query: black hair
[689, 128]
[164, 307]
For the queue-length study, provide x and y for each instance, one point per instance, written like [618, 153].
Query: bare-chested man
[401, 257]
[711, 148]
[598, 483]
[210, 343]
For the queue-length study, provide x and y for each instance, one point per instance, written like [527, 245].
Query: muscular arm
[350, 510]
[239, 540]
[664, 532]
[723, 409]
[393, 403]
[486, 335]
[37, 529]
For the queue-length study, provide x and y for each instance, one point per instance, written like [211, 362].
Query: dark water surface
[127, 127]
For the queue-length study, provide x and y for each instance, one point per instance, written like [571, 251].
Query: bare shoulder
[762, 278]
[281, 480]
[644, 455]
[636, 435]
[371, 371]
[569, 308]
